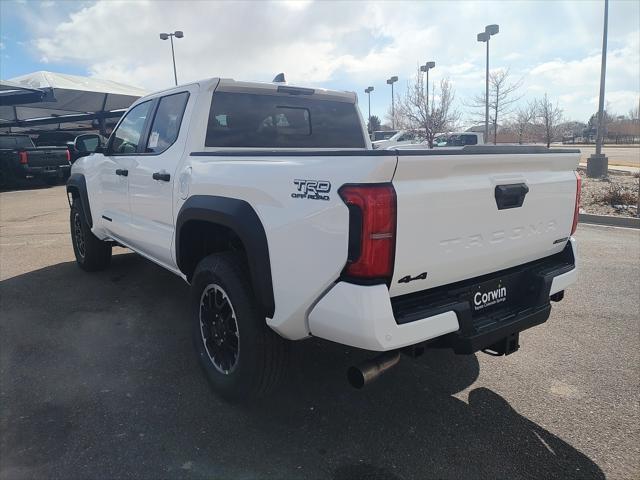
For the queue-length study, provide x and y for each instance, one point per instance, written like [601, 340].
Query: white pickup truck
[270, 201]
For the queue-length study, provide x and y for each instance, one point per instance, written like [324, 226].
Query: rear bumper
[365, 316]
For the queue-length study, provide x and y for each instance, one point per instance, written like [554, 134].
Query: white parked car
[270, 202]
[458, 139]
[448, 140]
[402, 137]
[382, 135]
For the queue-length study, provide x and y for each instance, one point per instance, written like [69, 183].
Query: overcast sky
[554, 46]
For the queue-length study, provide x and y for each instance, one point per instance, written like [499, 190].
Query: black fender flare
[78, 184]
[241, 218]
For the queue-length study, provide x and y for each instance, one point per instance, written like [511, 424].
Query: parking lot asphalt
[98, 379]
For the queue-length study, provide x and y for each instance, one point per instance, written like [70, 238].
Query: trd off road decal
[312, 189]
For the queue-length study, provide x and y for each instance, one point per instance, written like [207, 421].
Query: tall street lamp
[391, 81]
[489, 31]
[165, 36]
[425, 68]
[368, 91]
[598, 164]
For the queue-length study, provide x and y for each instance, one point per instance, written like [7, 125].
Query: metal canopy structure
[47, 98]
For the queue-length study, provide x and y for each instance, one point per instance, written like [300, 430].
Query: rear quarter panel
[307, 238]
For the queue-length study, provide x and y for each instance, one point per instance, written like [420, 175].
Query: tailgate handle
[511, 196]
[122, 172]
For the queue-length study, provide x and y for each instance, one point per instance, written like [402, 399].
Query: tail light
[372, 230]
[576, 211]
[68, 156]
[24, 158]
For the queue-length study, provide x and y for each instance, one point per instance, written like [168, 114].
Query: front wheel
[91, 253]
[241, 356]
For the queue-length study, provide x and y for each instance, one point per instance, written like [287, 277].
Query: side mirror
[87, 144]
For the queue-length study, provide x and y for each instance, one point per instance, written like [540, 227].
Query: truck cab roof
[265, 88]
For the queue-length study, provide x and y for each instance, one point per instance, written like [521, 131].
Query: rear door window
[281, 121]
[166, 123]
[470, 140]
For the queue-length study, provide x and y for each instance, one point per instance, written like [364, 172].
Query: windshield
[18, 141]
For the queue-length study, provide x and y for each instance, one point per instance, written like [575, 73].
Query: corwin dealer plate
[493, 294]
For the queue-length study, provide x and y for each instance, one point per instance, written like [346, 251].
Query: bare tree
[548, 116]
[432, 115]
[523, 121]
[391, 122]
[502, 97]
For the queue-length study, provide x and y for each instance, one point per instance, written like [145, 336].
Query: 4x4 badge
[409, 278]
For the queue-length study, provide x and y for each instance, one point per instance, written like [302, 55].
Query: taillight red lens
[576, 211]
[24, 158]
[68, 156]
[372, 239]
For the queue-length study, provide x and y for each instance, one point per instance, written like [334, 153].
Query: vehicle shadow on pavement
[35, 185]
[98, 378]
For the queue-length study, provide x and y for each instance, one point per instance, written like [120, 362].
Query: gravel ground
[594, 191]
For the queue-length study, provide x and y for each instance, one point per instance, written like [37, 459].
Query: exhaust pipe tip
[355, 377]
[365, 373]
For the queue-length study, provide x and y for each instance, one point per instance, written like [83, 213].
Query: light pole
[425, 68]
[368, 91]
[391, 81]
[489, 31]
[598, 164]
[165, 36]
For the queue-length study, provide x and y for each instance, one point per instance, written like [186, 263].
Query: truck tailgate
[47, 157]
[453, 223]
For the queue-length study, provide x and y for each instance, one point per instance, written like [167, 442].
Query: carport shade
[47, 95]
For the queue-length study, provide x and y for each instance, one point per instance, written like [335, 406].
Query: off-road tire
[92, 254]
[262, 355]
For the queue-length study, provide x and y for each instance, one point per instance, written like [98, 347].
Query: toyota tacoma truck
[269, 200]
[20, 160]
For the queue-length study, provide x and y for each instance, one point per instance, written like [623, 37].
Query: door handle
[122, 172]
[165, 177]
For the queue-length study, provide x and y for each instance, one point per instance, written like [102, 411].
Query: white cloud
[578, 81]
[347, 45]
[510, 57]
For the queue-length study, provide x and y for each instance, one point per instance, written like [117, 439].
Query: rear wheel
[91, 253]
[241, 356]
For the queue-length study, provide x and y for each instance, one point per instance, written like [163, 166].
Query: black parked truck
[62, 138]
[21, 160]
